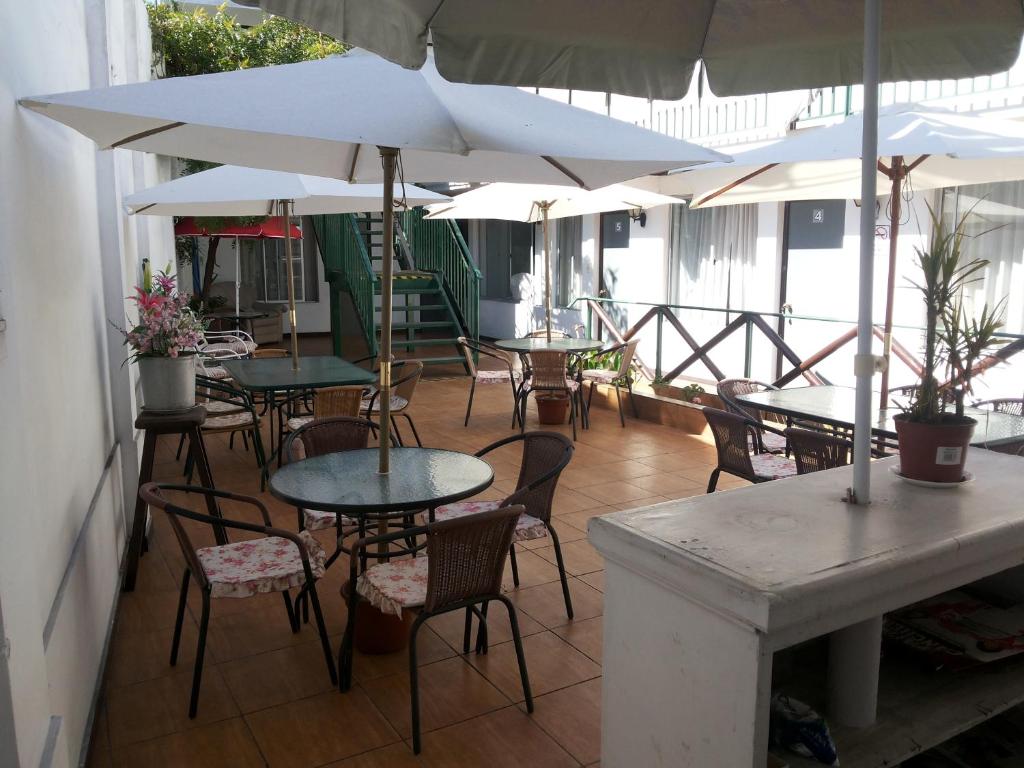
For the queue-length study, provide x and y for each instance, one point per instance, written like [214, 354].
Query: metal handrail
[347, 263]
[438, 246]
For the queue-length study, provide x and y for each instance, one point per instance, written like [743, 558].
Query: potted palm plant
[163, 344]
[933, 439]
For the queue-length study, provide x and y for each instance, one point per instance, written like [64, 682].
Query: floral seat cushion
[295, 422]
[527, 526]
[397, 404]
[601, 375]
[270, 564]
[237, 420]
[317, 520]
[495, 377]
[395, 585]
[215, 372]
[773, 442]
[220, 407]
[772, 466]
[229, 348]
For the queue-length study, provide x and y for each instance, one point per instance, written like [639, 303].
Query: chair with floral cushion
[815, 451]
[618, 377]
[315, 438]
[734, 435]
[729, 391]
[547, 372]
[509, 373]
[1011, 405]
[327, 402]
[229, 410]
[405, 375]
[545, 455]
[279, 561]
[226, 345]
[462, 570]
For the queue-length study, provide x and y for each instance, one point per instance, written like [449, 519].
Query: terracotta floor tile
[572, 717]
[504, 739]
[533, 570]
[671, 484]
[450, 626]
[566, 533]
[580, 520]
[614, 492]
[394, 756]
[646, 501]
[248, 633]
[546, 605]
[550, 661]
[429, 648]
[567, 500]
[158, 707]
[138, 656]
[585, 636]
[595, 580]
[227, 743]
[450, 691]
[328, 727]
[579, 557]
[267, 679]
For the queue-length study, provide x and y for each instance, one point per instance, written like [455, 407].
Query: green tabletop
[276, 373]
[348, 482]
[541, 344]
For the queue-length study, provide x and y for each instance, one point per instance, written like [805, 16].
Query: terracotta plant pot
[378, 632]
[934, 452]
[552, 408]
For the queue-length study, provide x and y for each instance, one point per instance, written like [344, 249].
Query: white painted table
[699, 593]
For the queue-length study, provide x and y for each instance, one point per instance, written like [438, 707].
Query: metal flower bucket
[168, 383]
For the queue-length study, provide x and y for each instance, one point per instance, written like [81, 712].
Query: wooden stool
[187, 424]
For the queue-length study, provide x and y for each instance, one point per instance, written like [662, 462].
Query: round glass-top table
[348, 482]
[540, 344]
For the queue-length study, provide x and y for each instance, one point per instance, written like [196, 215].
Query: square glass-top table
[836, 406]
[276, 374]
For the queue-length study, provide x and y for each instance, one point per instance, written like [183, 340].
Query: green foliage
[692, 391]
[953, 339]
[199, 43]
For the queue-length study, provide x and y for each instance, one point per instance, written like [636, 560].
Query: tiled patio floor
[266, 697]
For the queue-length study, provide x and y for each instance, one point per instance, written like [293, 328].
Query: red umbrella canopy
[269, 227]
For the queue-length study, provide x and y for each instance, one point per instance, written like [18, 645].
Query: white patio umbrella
[235, 191]
[369, 118]
[920, 147]
[542, 202]
[651, 49]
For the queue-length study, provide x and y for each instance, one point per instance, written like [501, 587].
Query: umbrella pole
[238, 276]
[547, 271]
[286, 215]
[896, 175]
[389, 155]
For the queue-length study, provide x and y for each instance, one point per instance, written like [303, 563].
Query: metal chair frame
[624, 379]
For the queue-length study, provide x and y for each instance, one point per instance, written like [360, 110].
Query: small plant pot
[168, 383]
[934, 452]
[552, 408]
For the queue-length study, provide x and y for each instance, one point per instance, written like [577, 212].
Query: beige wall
[68, 451]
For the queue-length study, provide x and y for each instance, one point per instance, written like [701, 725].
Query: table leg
[853, 658]
[202, 463]
[131, 565]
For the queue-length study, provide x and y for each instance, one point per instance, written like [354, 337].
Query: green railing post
[748, 351]
[657, 354]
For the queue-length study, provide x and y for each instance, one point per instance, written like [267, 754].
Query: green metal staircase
[436, 286]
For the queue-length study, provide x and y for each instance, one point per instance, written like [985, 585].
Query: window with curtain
[994, 229]
[265, 268]
[712, 255]
[568, 261]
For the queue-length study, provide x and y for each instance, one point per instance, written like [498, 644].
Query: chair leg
[572, 418]
[231, 441]
[182, 601]
[293, 614]
[414, 685]
[481, 635]
[523, 397]
[469, 405]
[618, 399]
[515, 565]
[197, 674]
[515, 401]
[468, 631]
[397, 434]
[590, 393]
[321, 627]
[632, 398]
[348, 642]
[412, 426]
[181, 444]
[561, 570]
[517, 639]
[713, 481]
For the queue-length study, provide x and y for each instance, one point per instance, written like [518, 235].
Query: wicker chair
[405, 375]
[511, 374]
[545, 455]
[229, 410]
[815, 451]
[730, 389]
[733, 435]
[328, 402]
[547, 373]
[617, 377]
[543, 334]
[268, 353]
[226, 345]
[462, 570]
[278, 562]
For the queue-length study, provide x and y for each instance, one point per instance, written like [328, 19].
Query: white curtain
[995, 231]
[713, 252]
[568, 259]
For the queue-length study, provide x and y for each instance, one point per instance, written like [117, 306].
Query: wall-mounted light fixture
[638, 214]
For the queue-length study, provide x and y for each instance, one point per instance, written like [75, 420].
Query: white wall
[68, 455]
